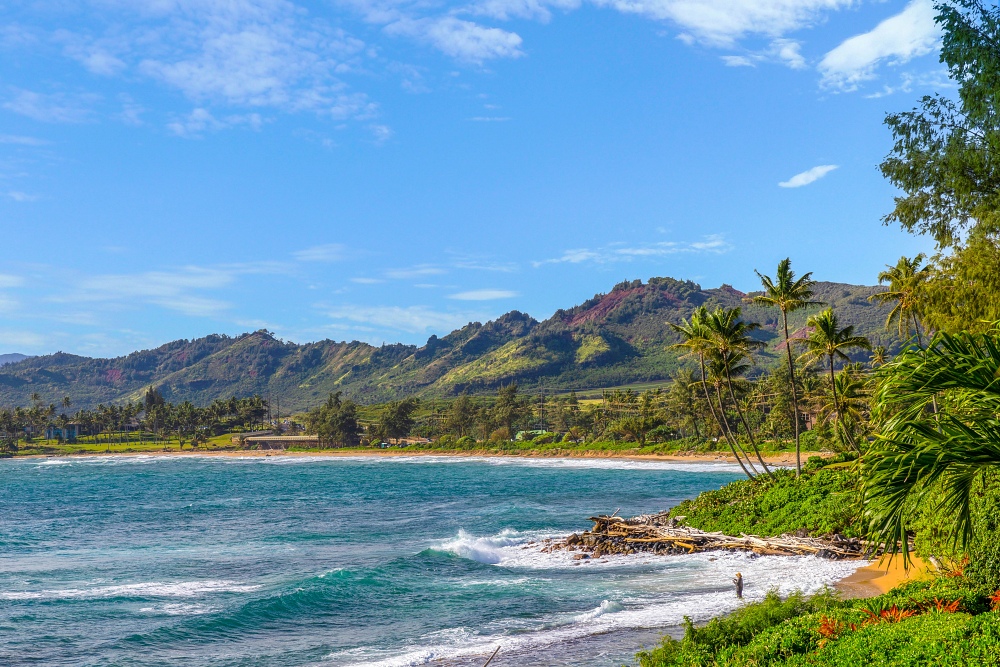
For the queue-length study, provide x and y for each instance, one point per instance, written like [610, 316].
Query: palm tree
[880, 357]
[905, 281]
[732, 346]
[918, 455]
[788, 295]
[851, 414]
[695, 340]
[827, 340]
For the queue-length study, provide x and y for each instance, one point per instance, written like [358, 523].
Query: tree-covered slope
[612, 339]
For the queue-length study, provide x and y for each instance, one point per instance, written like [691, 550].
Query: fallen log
[661, 534]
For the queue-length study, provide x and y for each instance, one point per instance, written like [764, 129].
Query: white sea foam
[278, 459]
[182, 589]
[700, 598]
[177, 609]
[492, 550]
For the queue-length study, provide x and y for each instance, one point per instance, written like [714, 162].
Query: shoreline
[782, 459]
[881, 576]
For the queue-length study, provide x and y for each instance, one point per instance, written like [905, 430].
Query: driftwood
[662, 534]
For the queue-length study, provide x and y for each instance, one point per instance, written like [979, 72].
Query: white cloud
[483, 295]
[328, 252]
[460, 39]
[21, 141]
[808, 176]
[620, 252]
[738, 61]
[574, 256]
[381, 133]
[722, 23]
[410, 319]
[505, 10]
[7, 280]
[54, 108]
[199, 121]
[251, 53]
[20, 197]
[896, 40]
[7, 304]
[415, 272]
[783, 51]
[490, 119]
[12, 339]
[367, 281]
[788, 52]
[178, 290]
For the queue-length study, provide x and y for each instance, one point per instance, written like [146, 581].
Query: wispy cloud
[490, 119]
[896, 40]
[808, 176]
[21, 140]
[460, 39]
[620, 252]
[723, 23]
[409, 319]
[175, 290]
[328, 252]
[484, 295]
[51, 108]
[367, 281]
[417, 271]
[21, 340]
[7, 280]
[199, 121]
[21, 197]
[783, 51]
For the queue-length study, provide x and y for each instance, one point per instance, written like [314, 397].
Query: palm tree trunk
[734, 438]
[836, 399]
[725, 433]
[746, 425]
[795, 396]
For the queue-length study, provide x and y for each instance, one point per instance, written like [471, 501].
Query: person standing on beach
[738, 580]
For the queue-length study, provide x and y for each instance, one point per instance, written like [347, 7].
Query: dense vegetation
[823, 502]
[946, 621]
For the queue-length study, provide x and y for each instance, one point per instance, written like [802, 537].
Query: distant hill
[612, 339]
[11, 358]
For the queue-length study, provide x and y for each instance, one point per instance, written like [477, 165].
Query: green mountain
[612, 339]
[11, 358]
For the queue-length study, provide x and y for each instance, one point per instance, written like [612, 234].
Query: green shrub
[822, 502]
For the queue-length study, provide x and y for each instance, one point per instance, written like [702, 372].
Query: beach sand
[786, 459]
[879, 577]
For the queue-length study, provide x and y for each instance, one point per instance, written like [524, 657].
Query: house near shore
[68, 433]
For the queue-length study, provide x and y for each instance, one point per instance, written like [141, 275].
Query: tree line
[152, 418]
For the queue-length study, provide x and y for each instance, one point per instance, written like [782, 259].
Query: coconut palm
[850, 414]
[917, 454]
[879, 358]
[732, 346]
[905, 280]
[696, 342]
[788, 294]
[828, 341]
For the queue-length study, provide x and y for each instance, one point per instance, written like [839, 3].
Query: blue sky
[383, 170]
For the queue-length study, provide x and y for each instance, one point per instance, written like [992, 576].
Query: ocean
[208, 561]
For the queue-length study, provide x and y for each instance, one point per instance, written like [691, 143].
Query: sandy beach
[881, 576]
[785, 459]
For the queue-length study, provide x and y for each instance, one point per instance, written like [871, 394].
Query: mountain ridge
[614, 338]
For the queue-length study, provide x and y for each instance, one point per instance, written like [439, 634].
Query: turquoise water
[211, 561]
